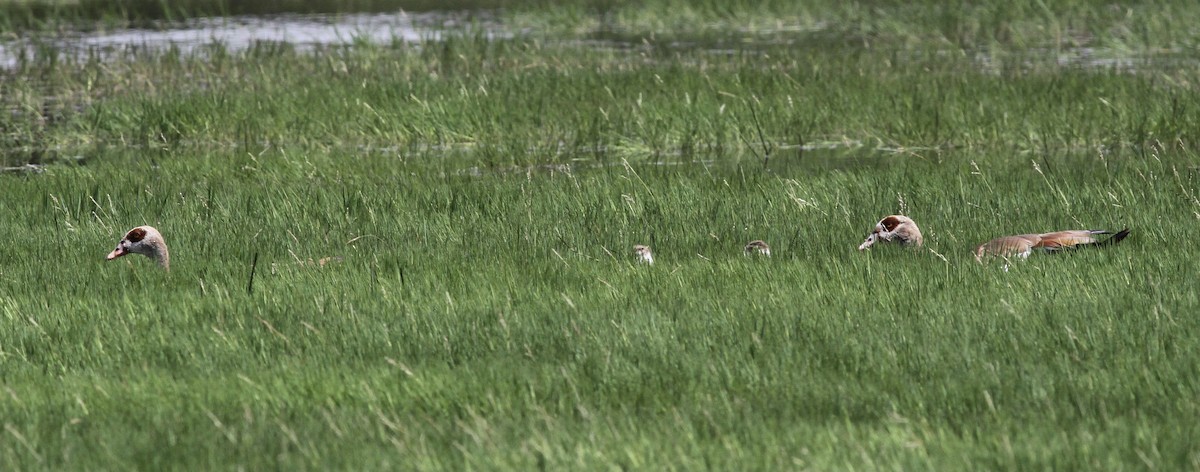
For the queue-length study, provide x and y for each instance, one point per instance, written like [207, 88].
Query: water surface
[242, 32]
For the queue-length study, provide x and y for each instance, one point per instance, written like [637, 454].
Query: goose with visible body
[1022, 245]
[144, 240]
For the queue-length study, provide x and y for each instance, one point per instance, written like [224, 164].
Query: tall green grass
[487, 312]
[527, 101]
[499, 321]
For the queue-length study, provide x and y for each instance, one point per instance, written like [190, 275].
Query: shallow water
[306, 32]
[242, 32]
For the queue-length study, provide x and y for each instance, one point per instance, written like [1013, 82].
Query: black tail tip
[1116, 238]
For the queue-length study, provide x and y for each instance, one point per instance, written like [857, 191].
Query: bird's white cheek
[866, 244]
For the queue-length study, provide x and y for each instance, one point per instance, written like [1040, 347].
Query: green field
[482, 195]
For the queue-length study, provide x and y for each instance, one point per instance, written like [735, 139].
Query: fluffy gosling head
[643, 253]
[757, 246]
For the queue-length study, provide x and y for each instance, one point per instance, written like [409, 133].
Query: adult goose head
[144, 240]
[894, 228]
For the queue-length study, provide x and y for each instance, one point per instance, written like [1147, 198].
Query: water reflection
[306, 32]
[239, 33]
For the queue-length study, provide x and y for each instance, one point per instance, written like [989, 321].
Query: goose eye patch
[136, 235]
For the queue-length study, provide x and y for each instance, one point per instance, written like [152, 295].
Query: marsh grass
[482, 320]
[504, 100]
[487, 311]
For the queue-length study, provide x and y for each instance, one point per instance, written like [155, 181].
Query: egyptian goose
[1023, 245]
[643, 253]
[758, 246]
[894, 228]
[144, 240]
